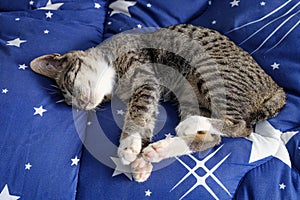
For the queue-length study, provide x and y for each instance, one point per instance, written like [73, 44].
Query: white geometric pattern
[201, 180]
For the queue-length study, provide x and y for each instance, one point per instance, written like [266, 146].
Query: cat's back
[226, 63]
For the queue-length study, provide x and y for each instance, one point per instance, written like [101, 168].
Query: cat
[220, 89]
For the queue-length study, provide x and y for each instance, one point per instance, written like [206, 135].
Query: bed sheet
[50, 151]
[39, 142]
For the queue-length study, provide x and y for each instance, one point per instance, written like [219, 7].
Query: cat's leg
[140, 117]
[193, 134]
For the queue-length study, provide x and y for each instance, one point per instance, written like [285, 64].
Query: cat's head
[84, 80]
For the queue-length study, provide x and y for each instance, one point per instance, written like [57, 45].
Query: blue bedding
[50, 151]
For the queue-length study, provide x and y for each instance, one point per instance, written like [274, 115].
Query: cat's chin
[84, 106]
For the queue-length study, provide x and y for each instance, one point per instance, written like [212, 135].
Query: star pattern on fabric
[4, 90]
[122, 7]
[5, 195]
[168, 136]
[148, 193]
[120, 112]
[120, 168]
[267, 141]
[39, 111]
[263, 3]
[97, 5]
[49, 14]
[16, 42]
[234, 3]
[28, 166]
[275, 66]
[23, 66]
[51, 6]
[282, 186]
[75, 161]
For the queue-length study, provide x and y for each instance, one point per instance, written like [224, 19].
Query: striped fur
[205, 72]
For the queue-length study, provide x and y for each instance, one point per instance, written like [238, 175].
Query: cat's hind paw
[129, 148]
[141, 169]
[192, 125]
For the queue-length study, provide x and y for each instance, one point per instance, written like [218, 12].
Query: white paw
[129, 148]
[192, 125]
[141, 169]
[157, 151]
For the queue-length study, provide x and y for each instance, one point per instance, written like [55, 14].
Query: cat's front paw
[157, 151]
[129, 148]
[141, 169]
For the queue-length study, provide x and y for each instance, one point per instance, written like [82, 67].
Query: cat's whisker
[52, 93]
[49, 89]
[60, 101]
[55, 86]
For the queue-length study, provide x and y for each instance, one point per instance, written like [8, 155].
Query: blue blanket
[50, 151]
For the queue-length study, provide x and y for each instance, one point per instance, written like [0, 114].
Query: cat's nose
[83, 103]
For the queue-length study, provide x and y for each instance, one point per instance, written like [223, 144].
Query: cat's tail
[271, 106]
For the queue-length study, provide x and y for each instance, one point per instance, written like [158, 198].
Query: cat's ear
[48, 65]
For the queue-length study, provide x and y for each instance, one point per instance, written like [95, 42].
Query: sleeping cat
[219, 88]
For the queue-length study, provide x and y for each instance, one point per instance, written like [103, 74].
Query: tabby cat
[219, 88]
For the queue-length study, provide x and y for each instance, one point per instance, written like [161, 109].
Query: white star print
[286, 136]
[48, 14]
[214, 22]
[121, 6]
[97, 5]
[23, 66]
[282, 186]
[16, 42]
[139, 26]
[234, 3]
[266, 141]
[148, 193]
[120, 112]
[17, 19]
[149, 5]
[109, 23]
[89, 123]
[262, 3]
[46, 31]
[275, 66]
[28, 166]
[5, 195]
[51, 6]
[4, 91]
[31, 2]
[40, 110]
[169, 135]
[121, 169]
[75, 161]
